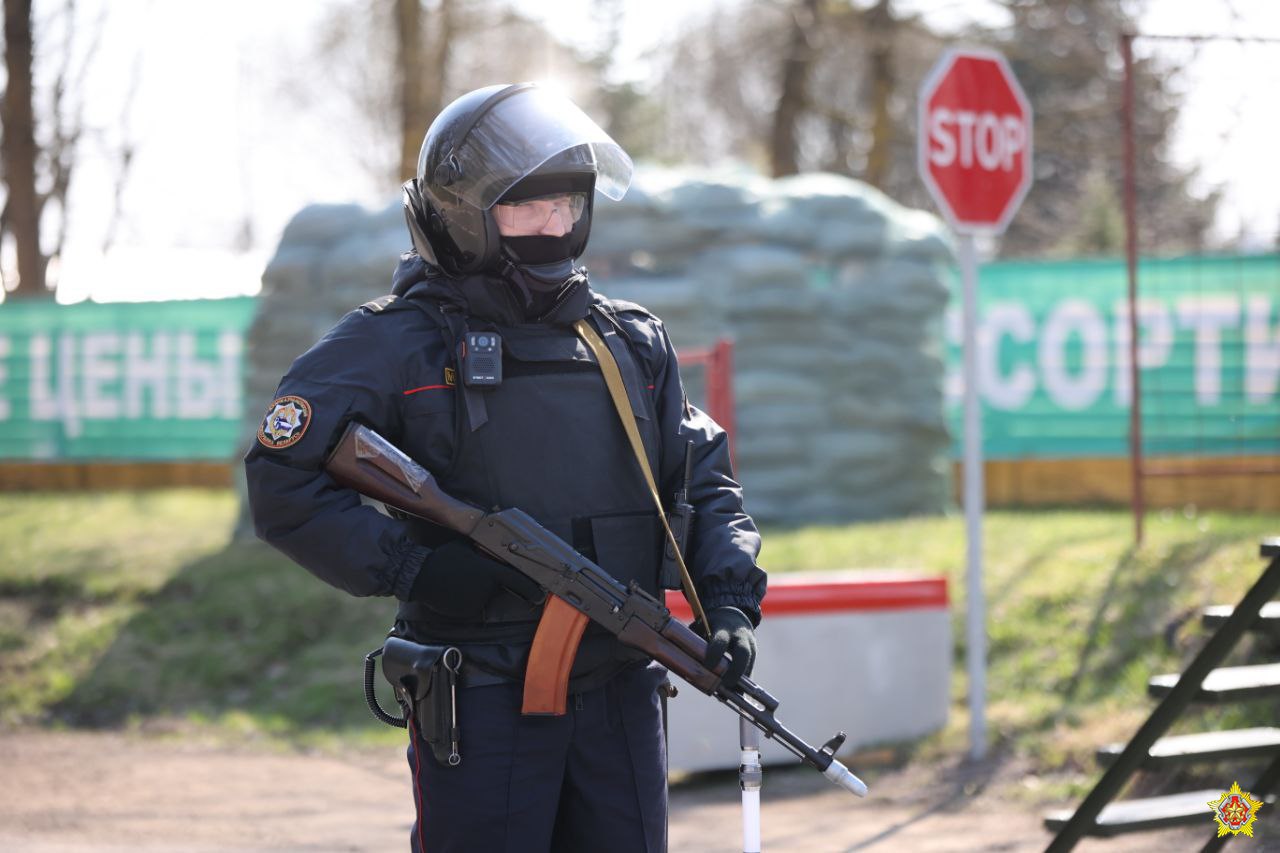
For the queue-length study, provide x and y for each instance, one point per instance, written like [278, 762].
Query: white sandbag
[775, 387]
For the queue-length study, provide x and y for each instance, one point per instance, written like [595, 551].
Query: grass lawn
[132, 608]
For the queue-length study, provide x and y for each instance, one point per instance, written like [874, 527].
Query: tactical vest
[549, 441]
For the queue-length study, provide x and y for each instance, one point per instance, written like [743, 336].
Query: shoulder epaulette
[377, 306]
[622, 306]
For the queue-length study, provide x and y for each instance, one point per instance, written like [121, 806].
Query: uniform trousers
[593, 779]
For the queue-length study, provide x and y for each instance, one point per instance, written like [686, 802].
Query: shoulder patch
[286, 422]
[377, 306]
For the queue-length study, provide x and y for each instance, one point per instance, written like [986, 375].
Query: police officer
[499, 213]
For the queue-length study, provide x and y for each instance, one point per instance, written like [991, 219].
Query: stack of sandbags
[833, 296]
[331, 258]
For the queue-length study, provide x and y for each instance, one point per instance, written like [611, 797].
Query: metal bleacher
[1203, 681]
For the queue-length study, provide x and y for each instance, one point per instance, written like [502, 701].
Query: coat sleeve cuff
[717, 593]
[405, 568]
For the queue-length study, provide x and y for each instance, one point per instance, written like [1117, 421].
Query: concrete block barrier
[867, 653]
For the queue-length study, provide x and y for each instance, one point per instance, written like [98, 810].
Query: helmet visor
[520, 133]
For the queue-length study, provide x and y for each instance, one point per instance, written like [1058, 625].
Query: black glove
[731, 632]
[457, 580]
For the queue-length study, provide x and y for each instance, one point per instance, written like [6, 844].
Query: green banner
[120, 381]
[1053, 357]
[163, 380]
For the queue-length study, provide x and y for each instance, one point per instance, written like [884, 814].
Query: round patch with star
[285, 423]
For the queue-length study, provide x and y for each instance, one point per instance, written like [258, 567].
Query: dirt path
[115, 792]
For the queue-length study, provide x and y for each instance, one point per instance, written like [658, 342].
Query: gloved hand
[731, 632]
[457, 580]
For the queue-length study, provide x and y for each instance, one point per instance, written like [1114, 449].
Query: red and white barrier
[867, 653]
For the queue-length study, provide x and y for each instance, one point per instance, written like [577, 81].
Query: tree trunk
[411, 65]
[783, 155]
[422, 64]
[443, 30]
[880, 28]
[18, 151]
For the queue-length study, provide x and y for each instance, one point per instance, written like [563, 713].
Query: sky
[1230, 123]
[223, 154]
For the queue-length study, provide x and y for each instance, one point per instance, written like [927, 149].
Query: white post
[750, 777]
[975, 626]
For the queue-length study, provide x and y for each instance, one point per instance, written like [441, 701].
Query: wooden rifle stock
[373, 466]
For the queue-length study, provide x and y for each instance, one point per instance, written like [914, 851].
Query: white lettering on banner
[1203, 324]
[1010, 392]
[52, 389]
[1074, 316]
[44, 406]
[4, 375]
[100, 366]
[108, 375]
[201, 386]
[68, 404]
[142, 373]
[1261, 351]
[230, 346]
[1208, 316]
[1155, 342]
[996, 139]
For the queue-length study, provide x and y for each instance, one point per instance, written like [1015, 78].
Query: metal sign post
[750, 778]
[974, 493]
[974, 155]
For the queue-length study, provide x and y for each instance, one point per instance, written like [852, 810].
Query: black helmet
[504, 142]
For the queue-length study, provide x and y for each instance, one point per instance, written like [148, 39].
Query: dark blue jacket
[390, 364]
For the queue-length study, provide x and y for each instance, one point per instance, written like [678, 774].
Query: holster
[425, 679]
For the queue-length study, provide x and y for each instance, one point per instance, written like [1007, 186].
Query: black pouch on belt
[425, 678]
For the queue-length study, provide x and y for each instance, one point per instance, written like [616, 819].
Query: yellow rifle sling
[618, 391]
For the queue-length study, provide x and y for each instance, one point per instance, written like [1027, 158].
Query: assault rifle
[578, 589]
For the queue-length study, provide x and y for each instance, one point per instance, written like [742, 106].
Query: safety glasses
[530, 216]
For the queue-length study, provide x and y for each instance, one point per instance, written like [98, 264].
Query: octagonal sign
[974, 142]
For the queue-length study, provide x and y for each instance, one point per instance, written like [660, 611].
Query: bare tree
[422, 60]
[124, 161]
[412, 83]
[385, 100]
[880, 32]
[851, 115]
[60, 152]
[792, 95]
[1065, 57]
[20, 220]
[38, 155]
[845, 101]
[718, 82]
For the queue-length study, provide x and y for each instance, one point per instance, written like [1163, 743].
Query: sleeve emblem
[286, 422]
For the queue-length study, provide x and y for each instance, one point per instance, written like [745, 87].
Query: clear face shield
[518, 134]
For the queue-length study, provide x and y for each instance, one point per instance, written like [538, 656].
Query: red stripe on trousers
[417, 779]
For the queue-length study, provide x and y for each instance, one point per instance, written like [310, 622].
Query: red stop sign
[975, 140]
